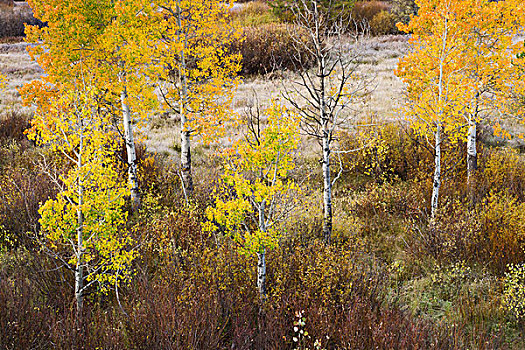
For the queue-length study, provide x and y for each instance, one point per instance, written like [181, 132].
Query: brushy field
[389, 280]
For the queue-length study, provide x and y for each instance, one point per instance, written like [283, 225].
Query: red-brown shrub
[270, 47]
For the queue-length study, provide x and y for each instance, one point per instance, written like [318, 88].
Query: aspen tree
[488, 32]
[114, 37]
[256, 176]
[513, 89]
[322, 96]
[83, 225]
[73, 118]
[127, 49]
[197, 69]
[435, 76]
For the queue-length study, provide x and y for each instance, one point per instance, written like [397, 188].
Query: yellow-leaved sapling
[256, 193]
[84, 226]
[109, 41]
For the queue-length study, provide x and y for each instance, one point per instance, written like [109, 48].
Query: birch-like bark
[185, 152]
[436, 185]
[261, 256]
[326, 135]
[79, 270]
[130, 149]
[185, 156]
[261, 274]
[327, 191]
[472, 155]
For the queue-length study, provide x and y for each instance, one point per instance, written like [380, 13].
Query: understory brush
[390, 279]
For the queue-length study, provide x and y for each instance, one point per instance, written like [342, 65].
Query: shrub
[385, 152]
[491, 233]
[254, 13]
[12, 127]
[502, 220]
[514, 291]
[364, 11]
[501, 170]
[383, 23]
[272, 47]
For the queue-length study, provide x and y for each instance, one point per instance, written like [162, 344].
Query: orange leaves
[198, 71]
[461, 51]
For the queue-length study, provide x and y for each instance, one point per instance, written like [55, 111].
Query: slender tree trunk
[472, 156]
[79, 270]
[327, 191]
[130, 148]
[437, 173]
[261, 274]
[261, 256]
[185, 156]
[436, 183]
[185, 153]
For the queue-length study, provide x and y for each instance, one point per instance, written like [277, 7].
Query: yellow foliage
[84, 224]
[197, 70]
[461, 50]
[514, 291]
[255, 176]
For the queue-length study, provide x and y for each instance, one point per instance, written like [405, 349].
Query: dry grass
[378, 57]
[16, 64]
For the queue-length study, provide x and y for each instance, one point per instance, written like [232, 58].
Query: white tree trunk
[130, 149]
[472, 155]
[261, 255]
[79, 269]
[185, 152]
[185, 156]
[437, 172]
[261, 274]
[327, 190]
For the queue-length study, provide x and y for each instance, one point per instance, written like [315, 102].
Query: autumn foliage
[240, 258]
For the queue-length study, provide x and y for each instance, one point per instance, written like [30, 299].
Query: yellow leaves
[255, 191]
[3, 82]
[195, 63]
